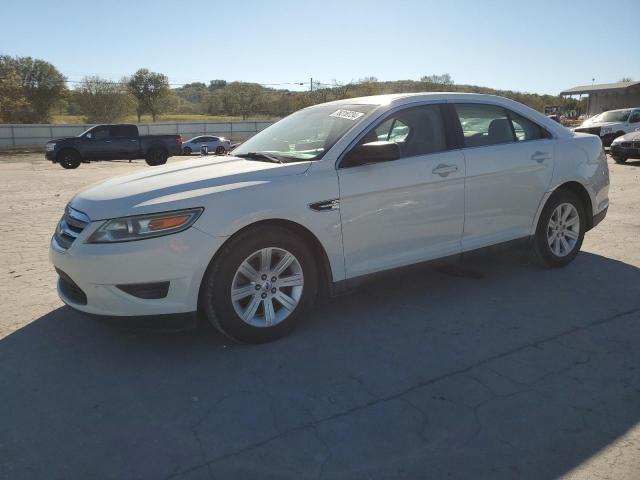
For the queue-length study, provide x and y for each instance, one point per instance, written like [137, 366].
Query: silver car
[217, 145]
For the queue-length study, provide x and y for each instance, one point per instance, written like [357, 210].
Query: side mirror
[372, 152]
[88, 136]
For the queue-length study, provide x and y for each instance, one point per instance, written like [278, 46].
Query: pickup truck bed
[111, 142]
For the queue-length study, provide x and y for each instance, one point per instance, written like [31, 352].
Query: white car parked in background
[217, 145]
[323, 199]
[612, 124]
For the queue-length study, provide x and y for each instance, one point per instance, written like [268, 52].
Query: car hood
[599, 124]
[629, 137]
[185, 184]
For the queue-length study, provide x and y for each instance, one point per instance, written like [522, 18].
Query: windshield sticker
[348, 114]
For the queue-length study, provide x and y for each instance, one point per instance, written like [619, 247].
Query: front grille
[591, 130]
[70, 226]
[626, 144]
[70, 290]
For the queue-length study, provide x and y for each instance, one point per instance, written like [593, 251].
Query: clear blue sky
[538, 46]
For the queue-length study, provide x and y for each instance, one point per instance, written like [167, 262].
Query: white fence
[12, 135]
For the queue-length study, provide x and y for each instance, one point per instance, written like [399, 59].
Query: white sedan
[329, 196]
[217, 145]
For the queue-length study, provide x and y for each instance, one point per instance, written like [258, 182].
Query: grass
[169, 117]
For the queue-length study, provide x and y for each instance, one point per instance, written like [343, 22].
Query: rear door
[408, 210]
[124, 141]
[509, 162]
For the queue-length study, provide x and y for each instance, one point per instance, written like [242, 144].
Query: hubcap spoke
[285, 300]
[282, 265]
[291, 281]
[571, 234]
[248, 271]
[269, 312]
[572, 221]
[242, 292]
[265, 259]
[251, 308]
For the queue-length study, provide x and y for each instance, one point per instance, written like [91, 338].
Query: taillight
[179, 141]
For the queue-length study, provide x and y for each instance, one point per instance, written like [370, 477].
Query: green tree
[149, 90]
[12, 99]
[243, 98]
[41, 84]
[103, 101]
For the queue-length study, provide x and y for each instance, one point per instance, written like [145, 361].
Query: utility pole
[311, 83]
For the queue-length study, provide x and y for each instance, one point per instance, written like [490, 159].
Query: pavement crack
[399, 394]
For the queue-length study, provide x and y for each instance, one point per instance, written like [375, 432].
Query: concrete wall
[601, 102]
[12, 135]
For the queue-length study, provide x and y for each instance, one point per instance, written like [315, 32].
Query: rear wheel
[560, 230]
[157, 156]
[68, 159]
[220, 150]
[259, 285]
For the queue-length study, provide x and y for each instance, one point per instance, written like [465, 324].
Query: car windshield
[307, 134]
[615, 116]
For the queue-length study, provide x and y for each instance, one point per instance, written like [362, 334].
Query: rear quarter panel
[581, 159]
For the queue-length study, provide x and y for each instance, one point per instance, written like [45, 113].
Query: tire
[223, 275]
[618, 159]
[68, 159]
[156, 156]
[187, 151]
[549, 250]
[220, 150]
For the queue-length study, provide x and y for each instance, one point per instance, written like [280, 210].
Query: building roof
[619, 87]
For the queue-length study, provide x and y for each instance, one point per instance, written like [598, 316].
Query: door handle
[443, 170]
[540, 156]
[107, 141]
[133, 140]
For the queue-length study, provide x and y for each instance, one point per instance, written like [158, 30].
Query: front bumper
[50, 155]
[92, 275]
[619, 150]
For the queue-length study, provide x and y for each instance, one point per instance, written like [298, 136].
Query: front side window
[305, 135]
[100, 132]
[416, 130]
[635, 117]
[484, 125]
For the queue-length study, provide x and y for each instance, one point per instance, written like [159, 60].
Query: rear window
[484, 125]
[123, 131]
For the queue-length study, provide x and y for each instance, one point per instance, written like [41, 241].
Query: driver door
[408, 210]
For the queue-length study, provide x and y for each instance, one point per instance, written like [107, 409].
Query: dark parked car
[110, 142]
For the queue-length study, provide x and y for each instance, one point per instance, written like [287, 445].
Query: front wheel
[259, 284]
[156, 156]
[68, 159]
[560, 230]
[187, 151]
[220, 150]
[619, 159]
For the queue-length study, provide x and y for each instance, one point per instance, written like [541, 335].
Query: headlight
[128, 229]
[605, 130]
[49, 147]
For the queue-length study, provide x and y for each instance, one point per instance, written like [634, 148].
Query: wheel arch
[325, 282]
[580, 190]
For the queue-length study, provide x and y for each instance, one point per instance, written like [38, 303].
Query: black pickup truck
[110, 142]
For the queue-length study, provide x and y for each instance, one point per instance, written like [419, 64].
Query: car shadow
[490, 369]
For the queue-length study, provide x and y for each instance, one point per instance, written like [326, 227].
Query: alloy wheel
[267, 287]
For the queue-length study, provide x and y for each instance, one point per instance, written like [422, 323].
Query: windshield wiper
[260, 155]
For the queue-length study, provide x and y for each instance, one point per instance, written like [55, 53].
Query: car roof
[400, 99]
